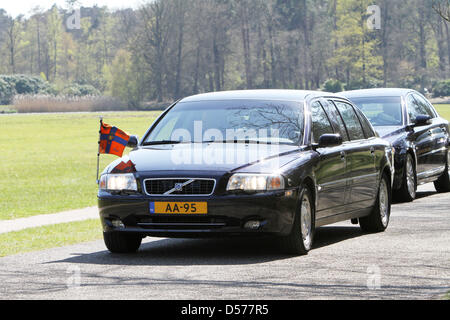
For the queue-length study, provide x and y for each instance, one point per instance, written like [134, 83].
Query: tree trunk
[245, 30]
[422, 49]
[273, 61]
[447, 31]
[177, 92]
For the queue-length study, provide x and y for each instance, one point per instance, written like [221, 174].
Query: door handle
[343, 155]
[372, 151]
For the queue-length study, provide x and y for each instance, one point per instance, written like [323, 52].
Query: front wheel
[407, 192]
[117, 242]
[378, 220]
[443, 184]
[300, 240]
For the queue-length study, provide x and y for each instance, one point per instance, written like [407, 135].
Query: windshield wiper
[155, 143]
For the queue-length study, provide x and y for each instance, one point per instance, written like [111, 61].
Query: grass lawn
[49, 160]
[49, 237]
[443, 110]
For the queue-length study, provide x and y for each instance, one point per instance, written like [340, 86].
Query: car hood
[214, 157]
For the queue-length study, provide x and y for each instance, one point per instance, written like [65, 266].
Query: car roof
[380, 92]
[262, 94]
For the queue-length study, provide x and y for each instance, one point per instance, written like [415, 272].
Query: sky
[17, 7]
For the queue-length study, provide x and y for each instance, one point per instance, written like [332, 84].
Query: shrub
[7, 92]
[441, 89]
[333, 86]
[359, 84]
[77, 90]
[24, 84]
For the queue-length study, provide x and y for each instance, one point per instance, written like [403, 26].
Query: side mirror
[330, 140]
[422, 120]
[133, 142]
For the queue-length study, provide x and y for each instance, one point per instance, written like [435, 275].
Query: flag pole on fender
[98, 154]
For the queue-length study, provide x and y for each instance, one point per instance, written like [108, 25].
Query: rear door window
[351, 120]
[320, 123]
[338, 120]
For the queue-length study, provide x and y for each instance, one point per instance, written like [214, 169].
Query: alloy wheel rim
[384, 203]
[410, 178]
[306, 223]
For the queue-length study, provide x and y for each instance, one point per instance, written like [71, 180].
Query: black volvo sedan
[244, 163]
[420, 136]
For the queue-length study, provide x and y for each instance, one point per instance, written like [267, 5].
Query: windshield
[381, 111]
[267, 122]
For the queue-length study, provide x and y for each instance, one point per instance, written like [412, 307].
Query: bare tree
[157, 29]
[443, 8]
[13, 33]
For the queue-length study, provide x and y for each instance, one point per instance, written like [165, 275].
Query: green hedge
[441, 89]
[333, 86]
[11, 85]
[80, 90]
[7, 91]
[19, 84]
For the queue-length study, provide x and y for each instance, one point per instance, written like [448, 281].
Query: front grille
[188, 187]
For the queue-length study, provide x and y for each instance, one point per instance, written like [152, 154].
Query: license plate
[178, 208]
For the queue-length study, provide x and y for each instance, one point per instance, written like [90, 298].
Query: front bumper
[227, 215]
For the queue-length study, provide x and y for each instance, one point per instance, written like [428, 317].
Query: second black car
[420, 136]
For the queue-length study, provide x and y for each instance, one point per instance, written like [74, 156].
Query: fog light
[252, 225]
[118, 224]
[289, 194]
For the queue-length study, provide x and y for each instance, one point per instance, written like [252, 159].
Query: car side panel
[425, 144]
[364, 176]
[440, 138]
[331, 178]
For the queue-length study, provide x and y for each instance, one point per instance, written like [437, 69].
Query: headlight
[118, 182]
[255, 182]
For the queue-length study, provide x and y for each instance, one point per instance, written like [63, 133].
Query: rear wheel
[300, 240]
[117, 242]
[378, 220]
[407, 192]
[443, 184]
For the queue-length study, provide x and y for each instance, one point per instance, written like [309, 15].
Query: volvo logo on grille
[179, 186]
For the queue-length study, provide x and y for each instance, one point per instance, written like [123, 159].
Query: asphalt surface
[409, 261]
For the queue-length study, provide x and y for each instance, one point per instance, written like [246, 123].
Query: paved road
[410, 261]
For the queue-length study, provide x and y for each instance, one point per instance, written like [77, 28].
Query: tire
[407, 193]
[121, 243]
[443, 184]
[300, 240]
[378, 220]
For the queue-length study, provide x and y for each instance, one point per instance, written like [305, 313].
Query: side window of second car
[351, 121]
[320, 123]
